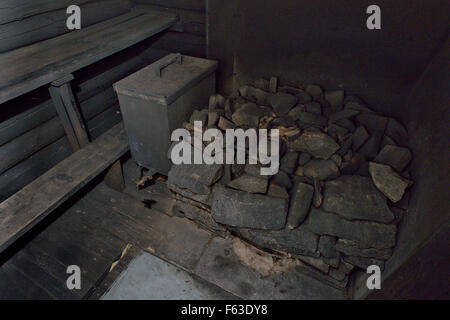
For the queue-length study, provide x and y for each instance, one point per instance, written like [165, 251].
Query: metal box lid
[166, 79]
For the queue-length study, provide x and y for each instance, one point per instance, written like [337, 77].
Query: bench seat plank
[30, 67]
[26, 208]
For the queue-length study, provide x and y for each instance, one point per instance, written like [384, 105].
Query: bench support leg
[69, 112]
[114, 177]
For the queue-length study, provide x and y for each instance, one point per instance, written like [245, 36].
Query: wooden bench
[52, 62]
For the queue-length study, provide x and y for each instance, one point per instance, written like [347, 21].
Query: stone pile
[339, 194]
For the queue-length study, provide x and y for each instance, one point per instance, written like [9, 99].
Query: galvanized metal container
[156, 100]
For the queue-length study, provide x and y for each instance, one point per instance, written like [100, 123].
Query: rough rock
[213, 116]
[333, 262]
[257, 95]
[282, 179]
[337, 159]
[249, 183]
[335, 98]
[304, 158]
[388, 181]
[307, 119]
[321, 169]
[294, 113]
[366, 234]
[225, 124]
[336, 274]
[201, 198]
[282, 102]
[247, 210]
[356, 198]
[360, 136]
[372, 146]
[372, 121]
[364, 263]
[327, 247]
[313, 107]
[277, 191]
[397, 132]
[237, 169]
[288, 162]
[347, 124]
[337, 132]
[342, 114]
[299, 241]
[196, 177]
[290, 90]
[273, 84]
[262, 84]
[396, 157]
[248, 115]
[301, 196]
[318, 196]
[316, 143]
[201, 115]
[315, 91]
[200, 216]
[317, 263]
[350, 167]
[255, 170]
[350, 248]
[303, 97]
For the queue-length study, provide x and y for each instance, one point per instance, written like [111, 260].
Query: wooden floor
[101, 230]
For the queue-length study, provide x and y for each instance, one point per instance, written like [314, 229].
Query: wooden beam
[26, 208]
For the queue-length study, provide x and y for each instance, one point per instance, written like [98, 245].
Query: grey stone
[388, 181]
[372, 121]
[387, 141]
[228, 110]
[186, 193]
[255, 170]
[277, 191]
[247, 210]
[356, 198]
[262, 84]
[248, 115]
[225, 124]
[318, 196]
[315, 91]
[306, 120]
[333, 262]
[273, 84]
[201, 115]
[317, 263]
[364, 263]
[360, 136]
[327, 247]
[227, 176]
[337, 132]
[290, 90]
[342, 114]
[336, 274]
[249, 183]
[350, 248]
[294, 113]
[321, 169]
[316, 143]
[397, 131]
[288, 162]
[347, 124]
[335, 98]
[195, 177]
[283, 121]
[299, 241]
[313, 107]
[282, 179]
[337, 159]
[350, 167]
[303, 97]
[200, 216]
[366, 234]
[301, 196]
[213, 116]
[372, 146]
[345, 267]
[257, 95]
[396, 157]
[282, 102]
[304, 158]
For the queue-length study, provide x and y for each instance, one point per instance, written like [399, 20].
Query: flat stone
[294, 113]
[257, 95]
[318, 196]
[196, 177]
[288, 162]
[228, 110]
[364, 263]
[397, 131]
[303, 158]
[342, 114]
[186, 193]
[290, 90]
[366, 234]
[321, 169]
[248, 115]
[255, 170]
[337, 132]
[277, 191]
[336, 274]
[282, 102]
[327, 246]
[359, 137]
[396, 157]
[356, 198]
[313, 107]
[351, 166]
[303, 97]
[387, 141]
[347, 124]
[350, 248]
[316, 143]
[262, 84]
[227, 176]
[237, 169]
[388, 181]
[249, 183]
[335, 98]
[213, 116]
[315, 91]
[337, 159]
[317, 263]
[283, 121]
[282, 179]
[372, 146]
[332, 262]
[247, 210]
[307, 119]
[299, 241]
[345, 267]
[273, 84]
[301, 196]
[200, 216]
[372, 121]
[201, 115]
[225, 124]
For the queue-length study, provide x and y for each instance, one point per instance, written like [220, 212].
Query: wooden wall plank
[180, 42]
[53, 23]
